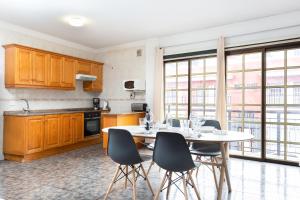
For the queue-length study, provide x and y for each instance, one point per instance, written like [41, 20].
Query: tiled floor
[86, 174]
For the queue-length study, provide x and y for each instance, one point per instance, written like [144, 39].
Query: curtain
[221, 85]
[158, 107]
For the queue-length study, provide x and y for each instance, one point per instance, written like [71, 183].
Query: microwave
[134, 85]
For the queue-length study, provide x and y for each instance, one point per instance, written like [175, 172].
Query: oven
[91, 123]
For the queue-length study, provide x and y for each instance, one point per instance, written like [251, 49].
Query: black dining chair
[122, 150]
[207, 150]
[172, 154]
[175, 124]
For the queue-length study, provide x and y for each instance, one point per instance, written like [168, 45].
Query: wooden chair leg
[214, 172]
[133, 183]
[169, 185]
[147, 180]
[161, 186]
[151, 164]
[194, 185]
[184, 187]
[126, 176]
[112, 182]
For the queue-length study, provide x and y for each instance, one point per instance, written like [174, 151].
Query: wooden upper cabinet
[68, 73]
[77, 127]
[55, 71]
[52, 131]
[27, 67]
[66, 130]
[34, 135]
[23, 67]
[39, 68]
[97, 85]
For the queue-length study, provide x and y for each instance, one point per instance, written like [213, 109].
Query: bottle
[147, 119]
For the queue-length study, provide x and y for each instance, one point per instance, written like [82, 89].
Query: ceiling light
[76, 21]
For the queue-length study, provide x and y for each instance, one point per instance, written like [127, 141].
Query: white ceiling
[113, 22]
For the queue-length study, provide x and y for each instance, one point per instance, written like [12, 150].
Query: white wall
[39, 98]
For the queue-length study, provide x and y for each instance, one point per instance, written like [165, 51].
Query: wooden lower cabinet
[109, 120]
[31, 137]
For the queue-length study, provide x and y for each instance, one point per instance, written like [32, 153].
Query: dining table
[221, 137]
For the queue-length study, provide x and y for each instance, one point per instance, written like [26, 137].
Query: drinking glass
[142, 121]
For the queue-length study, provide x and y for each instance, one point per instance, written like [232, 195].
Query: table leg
[226, 166]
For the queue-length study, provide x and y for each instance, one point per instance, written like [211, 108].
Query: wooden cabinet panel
[39, 69]
[52, 131]
[55, 71]
[95, 86]
[77, 127]
[34, 134]
[24, 67]
[66, 130]
[84, 67]
[68, 73]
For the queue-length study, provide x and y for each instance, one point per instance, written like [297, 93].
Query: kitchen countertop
[50, 111]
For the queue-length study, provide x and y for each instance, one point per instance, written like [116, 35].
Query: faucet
[27, 104]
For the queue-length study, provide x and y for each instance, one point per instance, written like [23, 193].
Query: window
[190, 86]
[244, 77]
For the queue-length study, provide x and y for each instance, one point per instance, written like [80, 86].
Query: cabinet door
[34, 134]
[68, 73]
[66, 130]
[52, 131]
[77, 126]
[97, 84]
[84, 67]
[23, 67]
[55, 71]
[39, 69]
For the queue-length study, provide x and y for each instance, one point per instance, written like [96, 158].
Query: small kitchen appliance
[96, 103]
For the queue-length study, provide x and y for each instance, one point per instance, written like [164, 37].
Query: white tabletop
[219, 136]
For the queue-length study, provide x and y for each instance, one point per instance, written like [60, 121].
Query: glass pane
[293, 133]
[183, 82]
[210, 112]
[234, 80]
[252, 96]
[293, 152]
[234, 97]
[254, 129]
[171, 83]
[170, 97]
[293, 95]
[210, 81]
[197, 66]
[234, 62]
[182, 111]
[210, 96]
[274, 114]
[235, 126]
[197, 81]
[293, 77]
[275, 59]
[170, 69]
[274, 150]
[182, 97]
[252, 148]
[183, 67]
[253, 61]
[293, 114]
[293, 57]
[274, 77]
[198, 110]
[252, 113]
[274, 95]
[234, 113]
[275, 132]
[253, 79]
[172, 110]
[197, 97]
[211, 64]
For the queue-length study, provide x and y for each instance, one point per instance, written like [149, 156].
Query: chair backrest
[175, 123]
[213, 123]
[121, 147]
[171, 152]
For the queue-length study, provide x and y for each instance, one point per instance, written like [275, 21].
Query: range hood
[85, 77]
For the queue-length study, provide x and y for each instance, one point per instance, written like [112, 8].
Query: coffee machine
[96, 103]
